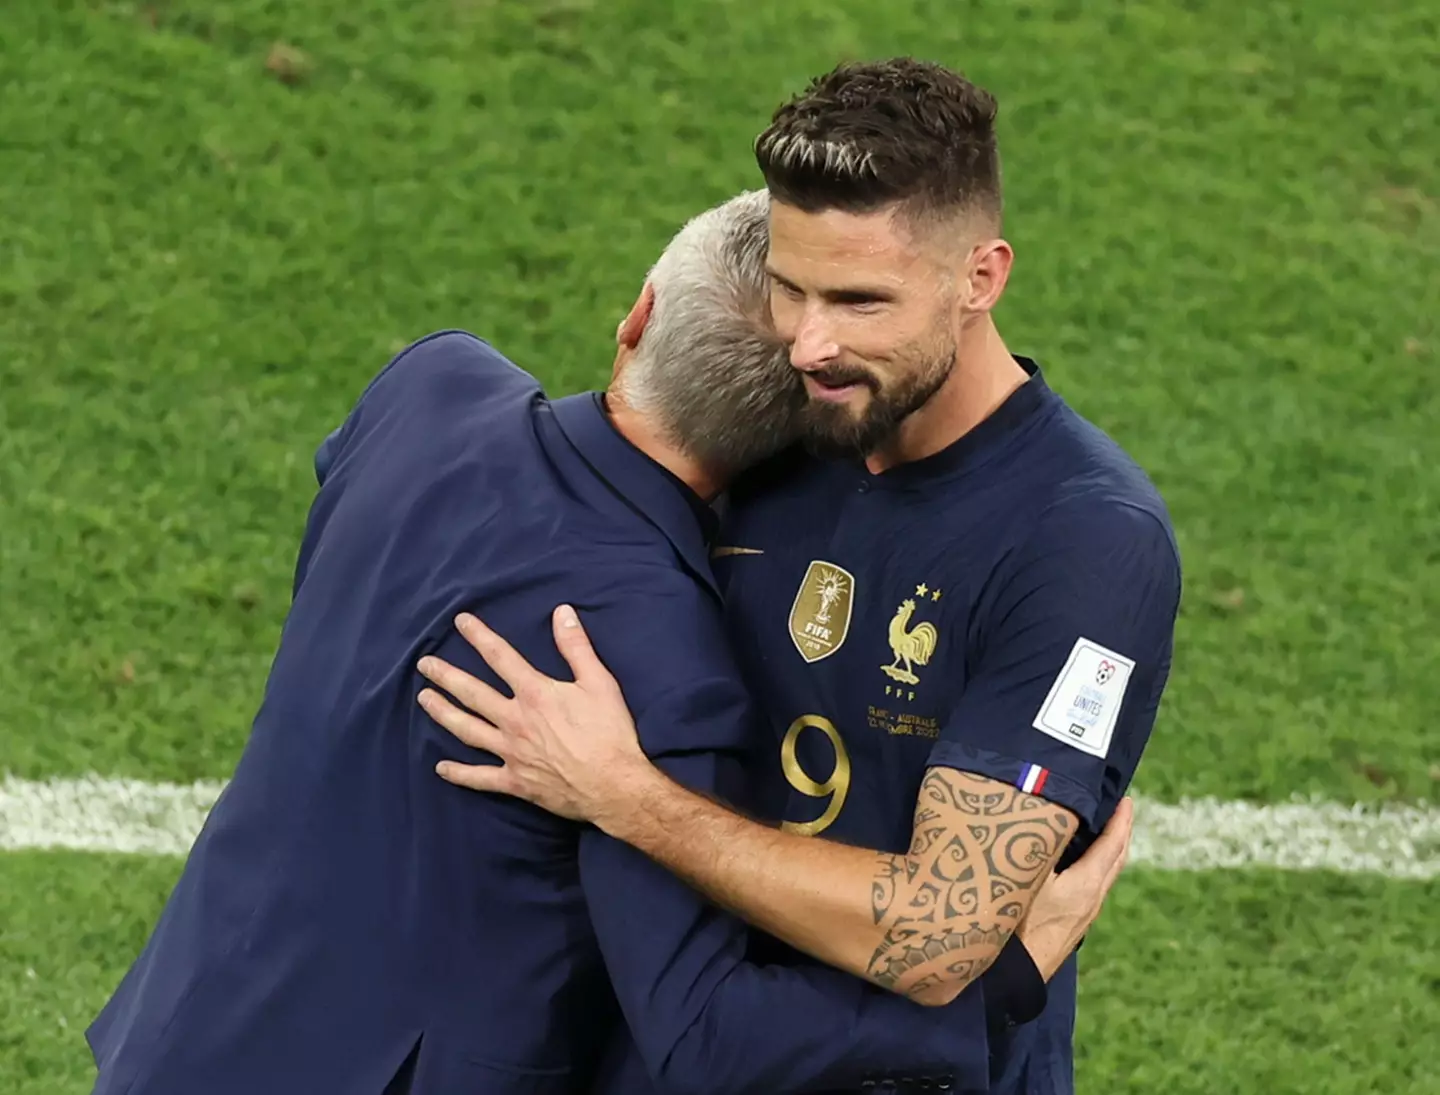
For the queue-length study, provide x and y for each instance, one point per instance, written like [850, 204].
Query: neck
[984, 376]
[646, 436]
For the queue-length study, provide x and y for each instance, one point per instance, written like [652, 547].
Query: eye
[860, 302]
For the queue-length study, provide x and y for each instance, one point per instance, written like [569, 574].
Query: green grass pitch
[218, 219]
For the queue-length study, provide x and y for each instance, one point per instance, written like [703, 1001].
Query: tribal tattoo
[946, 908]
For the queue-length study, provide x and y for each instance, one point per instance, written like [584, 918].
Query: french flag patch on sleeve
[1032, 779]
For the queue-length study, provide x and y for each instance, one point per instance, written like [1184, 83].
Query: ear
[990, 263]
[633, 326]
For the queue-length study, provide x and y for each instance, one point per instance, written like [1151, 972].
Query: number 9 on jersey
[836, 786]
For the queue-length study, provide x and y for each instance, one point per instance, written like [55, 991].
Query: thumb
[574, 646]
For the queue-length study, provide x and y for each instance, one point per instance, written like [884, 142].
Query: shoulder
[1063, 493]
[447, 383]
[644, 593]
[451, 355]
[1074, 524]
[1083, 493]
[1096, 564]
[656, 628]
[1106, 499]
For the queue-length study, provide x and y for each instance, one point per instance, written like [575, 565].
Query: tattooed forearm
[935, 918]
[946, 907]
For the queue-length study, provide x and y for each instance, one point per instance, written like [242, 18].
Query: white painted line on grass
[1200, 834]
[94, 814]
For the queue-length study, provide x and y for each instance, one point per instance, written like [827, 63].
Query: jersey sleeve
[1069, 658]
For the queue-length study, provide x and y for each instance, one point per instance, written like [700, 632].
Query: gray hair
[709, 370]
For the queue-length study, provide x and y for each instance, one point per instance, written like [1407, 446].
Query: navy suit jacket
[348, 923]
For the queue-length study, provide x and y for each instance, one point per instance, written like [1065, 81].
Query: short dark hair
[874, 134]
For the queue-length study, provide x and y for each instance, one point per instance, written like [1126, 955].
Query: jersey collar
[661, 497]
[975, 447]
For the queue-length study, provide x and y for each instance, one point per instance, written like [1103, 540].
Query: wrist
[1047, 948]
[618, 805]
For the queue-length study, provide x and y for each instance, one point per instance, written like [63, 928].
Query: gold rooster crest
[912, 646]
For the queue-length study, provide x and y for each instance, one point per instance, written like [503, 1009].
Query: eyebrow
[850, 294]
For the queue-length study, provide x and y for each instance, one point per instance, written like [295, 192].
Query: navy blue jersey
[346, 917]
[1004, 607]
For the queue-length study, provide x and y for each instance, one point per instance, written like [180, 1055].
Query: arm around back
[707, 1021]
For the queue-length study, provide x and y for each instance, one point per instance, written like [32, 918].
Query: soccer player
[348, 923]
[957, 608]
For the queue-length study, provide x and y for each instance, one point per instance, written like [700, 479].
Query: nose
[813, 346]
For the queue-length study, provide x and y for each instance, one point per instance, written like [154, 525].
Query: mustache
[838, 375]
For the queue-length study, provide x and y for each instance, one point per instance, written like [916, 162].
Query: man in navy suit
[348, 923]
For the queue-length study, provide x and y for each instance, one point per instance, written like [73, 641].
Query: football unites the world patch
[1084, 702]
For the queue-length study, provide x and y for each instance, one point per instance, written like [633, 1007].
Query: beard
[833, 430]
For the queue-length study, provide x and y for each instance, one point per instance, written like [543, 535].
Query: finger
[1107, 883]
[1126, 823]
[1109, 847]
[1127, 804]
[474, 732]
[1118, 832]
[499, 655]
[489, 703]
[477, 777]
[574, 646]
[1116, 835]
